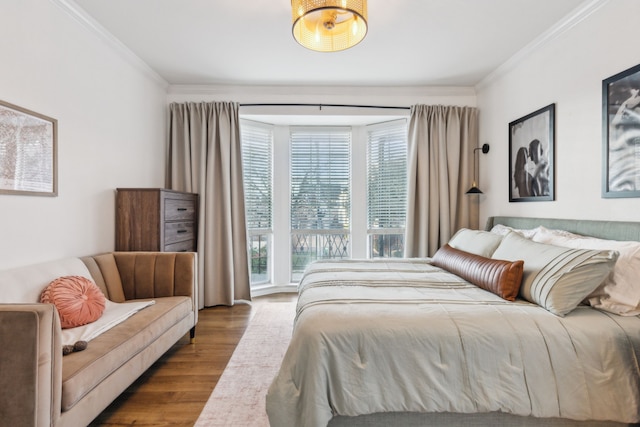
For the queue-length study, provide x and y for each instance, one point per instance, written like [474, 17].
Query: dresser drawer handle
[182, 231]
[182, 209]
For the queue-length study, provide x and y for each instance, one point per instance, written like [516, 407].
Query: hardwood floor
[175, 389]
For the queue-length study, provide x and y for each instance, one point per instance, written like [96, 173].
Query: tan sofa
[41, 387]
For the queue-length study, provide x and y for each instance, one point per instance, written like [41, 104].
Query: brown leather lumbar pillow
[501, 277]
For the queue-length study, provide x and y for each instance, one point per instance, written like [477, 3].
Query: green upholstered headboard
[613, 230]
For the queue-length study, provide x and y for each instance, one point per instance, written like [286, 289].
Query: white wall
[111, 119]
[567, 71]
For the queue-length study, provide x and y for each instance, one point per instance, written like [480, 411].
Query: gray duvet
[405, 336]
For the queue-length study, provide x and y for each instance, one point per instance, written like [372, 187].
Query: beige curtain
[440, 169]
[205, 157]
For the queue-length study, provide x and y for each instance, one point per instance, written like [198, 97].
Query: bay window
[340, 193]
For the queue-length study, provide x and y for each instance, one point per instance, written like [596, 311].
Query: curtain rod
[325, 105]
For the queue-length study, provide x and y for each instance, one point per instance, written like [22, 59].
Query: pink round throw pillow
[78, 300]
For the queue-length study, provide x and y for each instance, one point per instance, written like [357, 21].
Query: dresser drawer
[186, 246]
[156, 219]
[178, 232]
[177, 209]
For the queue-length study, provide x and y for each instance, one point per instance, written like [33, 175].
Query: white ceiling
[409, 43]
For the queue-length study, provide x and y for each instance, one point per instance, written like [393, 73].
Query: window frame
[258, 232]
[390, 127]
[324, 236]
[281, 227]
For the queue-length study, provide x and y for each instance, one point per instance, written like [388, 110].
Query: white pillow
[477, 242]
[556, 278]
[503, 230]
[25, 284]
[620, 292]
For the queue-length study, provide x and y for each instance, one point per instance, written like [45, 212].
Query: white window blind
[320, 195]
[257, 141]
[386, 189]
[320, 178]
[386, 176]
[257, 149]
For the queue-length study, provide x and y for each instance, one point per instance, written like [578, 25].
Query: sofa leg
[192, 335]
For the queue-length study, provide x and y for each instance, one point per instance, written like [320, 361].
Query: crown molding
[82, 17]
[571, 20]
[296, 91]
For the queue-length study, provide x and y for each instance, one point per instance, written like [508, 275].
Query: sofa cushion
[161, 274]
[83, 371]
[105, 274]
[78, 300]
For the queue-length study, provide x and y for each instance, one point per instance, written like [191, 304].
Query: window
[320, 192]
[386, 189]
[257, 148]
[320, 206]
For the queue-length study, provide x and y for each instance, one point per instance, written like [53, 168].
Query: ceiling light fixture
[329, 25]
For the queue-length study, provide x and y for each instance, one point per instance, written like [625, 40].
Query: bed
[429, 342]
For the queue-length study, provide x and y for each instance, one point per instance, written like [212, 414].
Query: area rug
[239, 396]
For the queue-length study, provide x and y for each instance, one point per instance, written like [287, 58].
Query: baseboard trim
[274, 289]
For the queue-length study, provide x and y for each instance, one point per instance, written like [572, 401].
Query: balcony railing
[259, 246]
[386, 245]
[311, 245]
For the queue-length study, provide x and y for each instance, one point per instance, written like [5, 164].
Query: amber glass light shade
[329, 25]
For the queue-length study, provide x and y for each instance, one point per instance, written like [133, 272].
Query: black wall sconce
[476, 168]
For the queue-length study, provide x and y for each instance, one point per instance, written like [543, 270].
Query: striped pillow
[556, 278]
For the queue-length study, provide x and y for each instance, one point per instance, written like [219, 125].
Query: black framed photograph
[531, 156]
[621, 134]
[28, 152]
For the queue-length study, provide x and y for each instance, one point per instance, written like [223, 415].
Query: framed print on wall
[28, 152]
[531, 156]
[621, 134]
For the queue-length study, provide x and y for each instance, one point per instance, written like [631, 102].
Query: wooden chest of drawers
[154, 219]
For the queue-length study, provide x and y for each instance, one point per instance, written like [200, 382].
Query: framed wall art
[28, 152]
[531, 156]
[621, 134]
